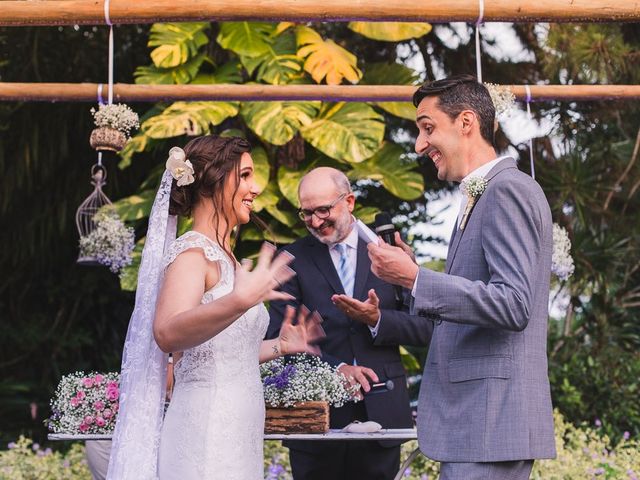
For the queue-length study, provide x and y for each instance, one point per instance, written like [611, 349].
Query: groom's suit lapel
[457, 233]
[322, 259]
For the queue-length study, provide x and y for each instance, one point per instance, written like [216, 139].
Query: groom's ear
[468, 120]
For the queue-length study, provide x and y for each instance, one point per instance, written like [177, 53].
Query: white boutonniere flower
[474, 187]
[181, 169]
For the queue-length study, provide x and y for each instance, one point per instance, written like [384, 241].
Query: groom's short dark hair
[458, 93]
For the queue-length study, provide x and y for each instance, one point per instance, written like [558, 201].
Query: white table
[384, 434]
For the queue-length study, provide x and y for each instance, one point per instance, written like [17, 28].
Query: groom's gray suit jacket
[485, 391]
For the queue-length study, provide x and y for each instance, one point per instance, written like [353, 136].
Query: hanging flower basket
[114, 123]
[107, 138]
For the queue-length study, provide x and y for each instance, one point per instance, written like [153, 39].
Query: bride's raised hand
[260, 283]
[304, 336]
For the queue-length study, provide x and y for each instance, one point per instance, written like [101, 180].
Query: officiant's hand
[367, 312]
[304, 336]
[392, 264]
[357, 375]
[262, 283]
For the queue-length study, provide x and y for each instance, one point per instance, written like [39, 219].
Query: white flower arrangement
[85, 403]
[116, 115]
[303, 378]
[110, 243]
[561, 261]
[502, 97]
[473, 187]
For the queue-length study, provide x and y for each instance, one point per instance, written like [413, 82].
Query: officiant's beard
[338, 230]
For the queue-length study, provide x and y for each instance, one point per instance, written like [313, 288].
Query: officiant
[364, 329]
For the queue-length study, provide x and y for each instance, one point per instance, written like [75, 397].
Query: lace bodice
[236, 347]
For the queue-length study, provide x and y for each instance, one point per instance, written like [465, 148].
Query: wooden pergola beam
[88, 92]
[92, 12]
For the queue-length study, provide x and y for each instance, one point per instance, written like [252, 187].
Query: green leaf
[366, 214]
[395, 174]
[230, 72]
[390, 31]
[176, 42]
[279, 64]
[409, 361]
[288, 181]
[392, 74]
[190, 118]
[136, 206]
[349, 132]
[249, 39]
[184, 73]
[261, 167]
[325, 59]
[268, 200]
[129, 274]
[278, 122]
[136, 144]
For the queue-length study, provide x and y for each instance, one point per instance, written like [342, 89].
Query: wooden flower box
[306, 417]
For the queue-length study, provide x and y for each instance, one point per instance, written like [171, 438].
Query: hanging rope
[528, 100]
[107, 20]
[478, 56]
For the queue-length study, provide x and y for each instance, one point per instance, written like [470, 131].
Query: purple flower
[626, 435]
[598, 423]
[598, 471]
[35, 447]
[632, 475]
[407, 472]
[12, 445]
[66, 464]
[281, 380]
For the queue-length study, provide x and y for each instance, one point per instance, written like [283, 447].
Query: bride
[209, 313]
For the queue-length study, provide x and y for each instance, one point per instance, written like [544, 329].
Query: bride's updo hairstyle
[213, 159]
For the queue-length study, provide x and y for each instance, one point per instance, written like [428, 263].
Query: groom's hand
[393, 264]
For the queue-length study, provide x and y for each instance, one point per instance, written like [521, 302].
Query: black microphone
[382, 387]
[384, 227]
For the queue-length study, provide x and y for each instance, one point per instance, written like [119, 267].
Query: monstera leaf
[136, 206]
[392, 74]
[279, 64]
[325, 58]
[278, 122]
[394, 173]
[268, 200]
[176, 42]
[181, 74]
[390, 31]
[261, 167]
[230, 72]
[350, 132]
[190, 118]
[288, 181]
[248, 39]
[366, 214]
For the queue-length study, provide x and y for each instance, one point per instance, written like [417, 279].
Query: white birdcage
[90, 206]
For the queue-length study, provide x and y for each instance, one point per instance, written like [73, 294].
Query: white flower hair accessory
[474, 187]
[181, 169]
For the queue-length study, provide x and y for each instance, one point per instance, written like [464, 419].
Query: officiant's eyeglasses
[320, 212]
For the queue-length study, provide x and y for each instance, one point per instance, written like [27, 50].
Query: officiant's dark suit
[349, 341]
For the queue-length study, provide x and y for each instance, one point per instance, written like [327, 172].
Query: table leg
[406, 463]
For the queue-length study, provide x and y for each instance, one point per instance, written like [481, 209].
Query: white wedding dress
[213, 428]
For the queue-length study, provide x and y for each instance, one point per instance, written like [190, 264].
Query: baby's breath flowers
[502, 97]
[110, 243]
[303, 378]
[117, 115]
[561, 261]
[85, 403]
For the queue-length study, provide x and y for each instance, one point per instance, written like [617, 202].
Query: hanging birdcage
[87, 209]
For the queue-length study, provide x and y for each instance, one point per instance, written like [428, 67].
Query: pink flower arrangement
[85, 403]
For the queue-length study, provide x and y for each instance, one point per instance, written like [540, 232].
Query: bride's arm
[181, 321]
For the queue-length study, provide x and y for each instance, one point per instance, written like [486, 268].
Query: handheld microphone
[382, 387]
[384, 227]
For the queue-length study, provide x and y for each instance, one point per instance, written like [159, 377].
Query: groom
[484, 408]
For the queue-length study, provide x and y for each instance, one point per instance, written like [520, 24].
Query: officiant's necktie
[345, 269]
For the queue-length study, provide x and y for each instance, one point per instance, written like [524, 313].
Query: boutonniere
[474, 187]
